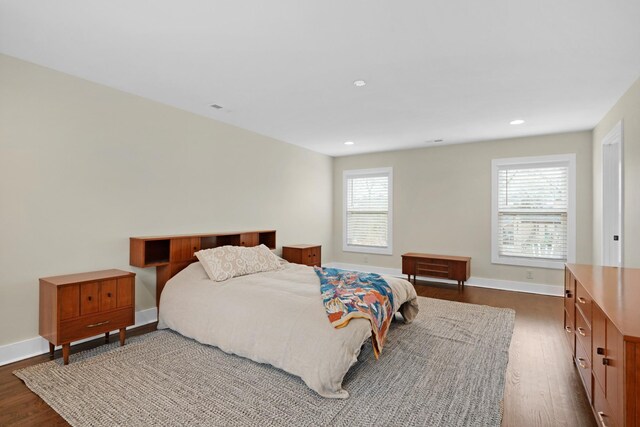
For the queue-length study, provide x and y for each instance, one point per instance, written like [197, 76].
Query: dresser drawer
[569, 333]
[95, 324]
[432, 268]
[604, 415]
[438, 261]
[570, 295]
[583, 334]
[583, 302]
[584, 367]
[598, 345]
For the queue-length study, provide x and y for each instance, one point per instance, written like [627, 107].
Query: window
[533, 211]
[367, 210]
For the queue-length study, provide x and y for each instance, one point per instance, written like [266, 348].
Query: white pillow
[226, 262]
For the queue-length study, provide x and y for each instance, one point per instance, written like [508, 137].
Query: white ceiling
[459, 70]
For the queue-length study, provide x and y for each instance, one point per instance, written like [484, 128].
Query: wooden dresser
[602, 325]
[78, 306]
[456, 268]
[303, 254]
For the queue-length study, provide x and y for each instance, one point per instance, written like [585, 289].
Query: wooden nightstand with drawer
[78, 306]
[456, 268]
[303, 254]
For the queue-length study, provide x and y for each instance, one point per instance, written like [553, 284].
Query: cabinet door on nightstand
[408, 265]
[125, 291]
[69, 301]
[316, 258]
[108, 291]
[306, 257]
[89, 298]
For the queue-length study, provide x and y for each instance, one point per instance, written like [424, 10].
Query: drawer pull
[568, 329]
[582, 300]
[569, 294]
[581, 362]
[93, 325]
[601, 416]
[605, 361]
[600, 350]
[89, 298]
[581, 332]
[109, 294]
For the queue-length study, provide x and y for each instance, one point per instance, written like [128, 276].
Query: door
[89, 298]
[612, 197]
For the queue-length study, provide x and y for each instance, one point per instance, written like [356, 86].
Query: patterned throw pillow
[226, 262]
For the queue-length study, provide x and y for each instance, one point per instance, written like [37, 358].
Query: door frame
[613, 138]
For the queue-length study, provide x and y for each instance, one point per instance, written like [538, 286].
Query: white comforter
[275, 317]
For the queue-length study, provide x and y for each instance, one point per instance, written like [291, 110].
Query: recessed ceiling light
[516, 122]
[359, 83]
[349, 143]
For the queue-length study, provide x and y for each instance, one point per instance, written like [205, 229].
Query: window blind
[533, 206]
[367, 210]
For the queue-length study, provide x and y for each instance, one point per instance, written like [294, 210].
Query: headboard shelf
[170, 254]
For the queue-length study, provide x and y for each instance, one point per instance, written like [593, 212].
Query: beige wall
[626, 109]
[83, 167]
[442, 201]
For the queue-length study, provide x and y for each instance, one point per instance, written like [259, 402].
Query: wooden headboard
[170, 254]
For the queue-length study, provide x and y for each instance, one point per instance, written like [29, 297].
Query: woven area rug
[447, 368]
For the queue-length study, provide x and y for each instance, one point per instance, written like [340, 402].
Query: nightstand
[303, 254]
[78, 306]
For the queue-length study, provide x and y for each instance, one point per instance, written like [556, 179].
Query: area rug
[447, 368]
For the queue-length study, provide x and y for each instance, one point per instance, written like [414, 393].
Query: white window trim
[367, 249]
[539, 161]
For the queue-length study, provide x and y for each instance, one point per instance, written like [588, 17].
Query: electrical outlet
[529, 274]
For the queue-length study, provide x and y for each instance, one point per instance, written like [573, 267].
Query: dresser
[602, 327]
[77, 306]
[303, 254]
[456, 268]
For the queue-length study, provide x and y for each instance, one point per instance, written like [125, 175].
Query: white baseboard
[480, 282]
[14, 352]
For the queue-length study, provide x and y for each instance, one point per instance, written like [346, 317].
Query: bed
[275, 317]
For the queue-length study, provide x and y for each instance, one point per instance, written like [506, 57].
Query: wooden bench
[428, 265]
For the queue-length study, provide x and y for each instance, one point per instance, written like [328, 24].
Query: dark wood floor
[20, 407]
[543, 388]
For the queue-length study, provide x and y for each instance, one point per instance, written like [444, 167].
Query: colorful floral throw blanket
[349, 294]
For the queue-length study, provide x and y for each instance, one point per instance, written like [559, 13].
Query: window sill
[368, 250]
[530, 262]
